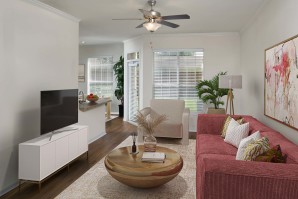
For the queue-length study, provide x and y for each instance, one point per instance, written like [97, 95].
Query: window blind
[133, 82]
[176, 74]
[100, 76]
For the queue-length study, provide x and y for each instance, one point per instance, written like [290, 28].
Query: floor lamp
[231, 82]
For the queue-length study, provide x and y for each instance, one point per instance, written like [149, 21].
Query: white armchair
[176, 125]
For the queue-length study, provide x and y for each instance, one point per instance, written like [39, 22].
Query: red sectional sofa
[220, 176]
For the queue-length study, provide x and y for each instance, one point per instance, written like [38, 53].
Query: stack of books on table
[153, 157]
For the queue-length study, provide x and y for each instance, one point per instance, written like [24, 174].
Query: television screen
[59, 108]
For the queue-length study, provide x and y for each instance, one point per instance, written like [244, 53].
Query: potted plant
[119, 91]
[148, 124]
[209, 92]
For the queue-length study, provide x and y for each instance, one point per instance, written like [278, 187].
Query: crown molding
[156, 35]
[53, 10]
[211, 34]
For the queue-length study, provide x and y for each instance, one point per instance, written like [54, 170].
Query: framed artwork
[281, 82]
[81, 73]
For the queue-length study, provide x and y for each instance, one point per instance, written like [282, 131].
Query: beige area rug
[97, 183]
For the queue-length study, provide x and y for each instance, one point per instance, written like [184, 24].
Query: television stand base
[60, 131]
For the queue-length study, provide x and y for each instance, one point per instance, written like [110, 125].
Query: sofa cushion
[245, 142]
[236, 132]
[289, 148]
[255, 125]
[214, 144]
[256, 148]
[273, 155]
[226, 125]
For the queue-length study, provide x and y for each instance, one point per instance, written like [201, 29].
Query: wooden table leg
[108, 110]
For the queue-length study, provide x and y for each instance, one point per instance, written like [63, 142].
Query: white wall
[275, 23]
[221, 53]
[38, 51]
[94, 51]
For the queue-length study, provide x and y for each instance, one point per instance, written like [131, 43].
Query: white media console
[41, 157]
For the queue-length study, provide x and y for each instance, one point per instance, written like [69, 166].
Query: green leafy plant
[208, 91]
[119, 73]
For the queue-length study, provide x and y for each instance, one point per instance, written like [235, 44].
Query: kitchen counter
[94, 115]
[85, 106]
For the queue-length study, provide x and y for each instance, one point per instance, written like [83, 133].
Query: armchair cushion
[169, 129]
[172, 108]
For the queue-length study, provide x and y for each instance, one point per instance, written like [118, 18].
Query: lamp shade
[151, 26]
[230, 81]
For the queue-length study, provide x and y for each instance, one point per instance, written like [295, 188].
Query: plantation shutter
[100, 78]
[176, 74]
[133, 79]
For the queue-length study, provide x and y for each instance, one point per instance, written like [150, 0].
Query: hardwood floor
[117, 131]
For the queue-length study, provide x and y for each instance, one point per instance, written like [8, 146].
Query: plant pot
[216, 111]
[121, 110]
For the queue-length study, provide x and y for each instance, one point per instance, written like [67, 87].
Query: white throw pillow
[233, 123]
[236, 132]
[245, 142]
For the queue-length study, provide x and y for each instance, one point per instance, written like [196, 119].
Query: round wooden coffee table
[130, 170]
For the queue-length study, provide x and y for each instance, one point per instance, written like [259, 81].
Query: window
[100, 76]
[176, 74]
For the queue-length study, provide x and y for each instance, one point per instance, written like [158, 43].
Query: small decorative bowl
[92, 99]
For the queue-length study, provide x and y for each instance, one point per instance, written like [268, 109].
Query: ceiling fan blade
[129, 19]
[166, 23]
[145, 12]
[173, 17]
[141, 25]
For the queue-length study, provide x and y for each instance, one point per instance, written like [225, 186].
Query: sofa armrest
[246, 179]
[185, 126]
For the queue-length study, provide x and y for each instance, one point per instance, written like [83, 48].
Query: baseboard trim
[97, 137]
[8, 189]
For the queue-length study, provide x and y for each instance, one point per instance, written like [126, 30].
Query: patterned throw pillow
[236, 132]
[226, 124]
[245, 142]
[256, 148]
[272, 155]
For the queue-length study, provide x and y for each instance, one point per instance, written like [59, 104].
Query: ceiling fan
[154, 20]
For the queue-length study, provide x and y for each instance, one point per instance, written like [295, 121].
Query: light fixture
[230, 82]
[151, 25]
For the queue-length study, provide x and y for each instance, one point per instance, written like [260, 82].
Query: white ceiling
[206, 16]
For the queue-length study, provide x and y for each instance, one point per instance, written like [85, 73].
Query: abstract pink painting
[281, 82]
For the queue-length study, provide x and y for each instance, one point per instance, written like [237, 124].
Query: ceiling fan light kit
[151, 25]
[154, 20]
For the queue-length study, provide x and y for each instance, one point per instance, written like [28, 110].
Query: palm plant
[119, 73]
[208, 91]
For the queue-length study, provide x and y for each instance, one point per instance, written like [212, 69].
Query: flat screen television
[59, 108]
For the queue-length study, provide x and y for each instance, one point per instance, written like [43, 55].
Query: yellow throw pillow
[226, 124]
[256, 148]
